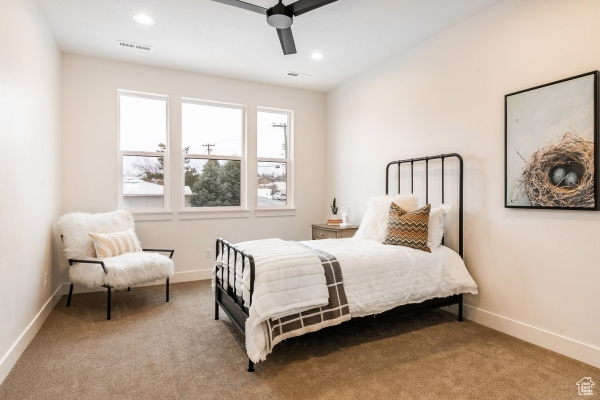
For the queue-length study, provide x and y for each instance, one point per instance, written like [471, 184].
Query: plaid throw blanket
[334, 313]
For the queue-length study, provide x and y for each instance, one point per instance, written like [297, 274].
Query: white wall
[537, 270]
[89, 169]
[29, 199]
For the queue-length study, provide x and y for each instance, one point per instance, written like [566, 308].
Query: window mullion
[142, 153]
[207, 157]
[266, 159]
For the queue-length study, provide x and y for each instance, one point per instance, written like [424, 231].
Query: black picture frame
[551, 145]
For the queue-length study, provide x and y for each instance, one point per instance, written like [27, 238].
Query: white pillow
[115, 243]
[437, 216]
[374, 223]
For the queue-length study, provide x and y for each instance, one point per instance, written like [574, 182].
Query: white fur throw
[375, 221]
[76, 227]
[124, 270]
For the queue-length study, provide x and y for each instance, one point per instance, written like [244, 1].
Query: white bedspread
[289, 279]
[379, 277]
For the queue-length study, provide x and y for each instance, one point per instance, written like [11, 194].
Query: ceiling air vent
[136, 46]
[297, 74]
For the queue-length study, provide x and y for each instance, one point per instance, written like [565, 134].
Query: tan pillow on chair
[113, 244]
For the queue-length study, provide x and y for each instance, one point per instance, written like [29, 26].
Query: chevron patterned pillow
[408, 229]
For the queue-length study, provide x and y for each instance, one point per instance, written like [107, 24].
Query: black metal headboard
[442, 157]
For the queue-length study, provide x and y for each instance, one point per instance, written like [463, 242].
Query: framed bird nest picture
[551, 145]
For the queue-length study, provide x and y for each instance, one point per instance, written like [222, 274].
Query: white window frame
[217, 212]
[288, 208]
[150, 212]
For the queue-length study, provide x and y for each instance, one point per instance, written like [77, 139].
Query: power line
[208, 147]
[284, 126]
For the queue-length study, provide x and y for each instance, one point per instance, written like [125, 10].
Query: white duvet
[289, 279]
[379, 277]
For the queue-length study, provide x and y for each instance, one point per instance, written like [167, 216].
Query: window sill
[208, 214]
[151, 215]
[274, 212]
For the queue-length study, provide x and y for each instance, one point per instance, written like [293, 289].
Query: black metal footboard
[226, 294]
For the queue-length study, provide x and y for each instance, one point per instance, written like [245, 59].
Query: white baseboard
[188, 276]
[560, 344]
[8, 361]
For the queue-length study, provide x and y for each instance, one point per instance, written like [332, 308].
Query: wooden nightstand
[324, 231]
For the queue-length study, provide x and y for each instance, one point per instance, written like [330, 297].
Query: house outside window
[274, 157]
[143, 151]
[213, 139]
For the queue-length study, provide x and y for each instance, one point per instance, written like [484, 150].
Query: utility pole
[285, 145]
[209, 147]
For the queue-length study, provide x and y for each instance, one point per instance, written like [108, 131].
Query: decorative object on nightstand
[322, 231]
[334, 210]
[334, 220]
[345, 223]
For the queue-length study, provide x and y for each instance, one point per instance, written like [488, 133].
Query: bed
[396, 263]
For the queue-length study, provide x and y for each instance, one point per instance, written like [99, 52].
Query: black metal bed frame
[232, 302]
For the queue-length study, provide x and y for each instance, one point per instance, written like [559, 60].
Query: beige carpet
[157, 350]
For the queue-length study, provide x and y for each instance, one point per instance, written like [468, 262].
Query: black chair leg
[250, 366]
[128, 289]
[69, 297]
[167, 290]
[108, 304]
[460, 308]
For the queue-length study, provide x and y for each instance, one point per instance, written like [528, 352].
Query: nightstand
[324, 231]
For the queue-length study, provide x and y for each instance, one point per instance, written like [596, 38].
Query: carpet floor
[176, 350]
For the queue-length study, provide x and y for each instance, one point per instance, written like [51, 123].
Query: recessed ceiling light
[143, 19]
[316, 56]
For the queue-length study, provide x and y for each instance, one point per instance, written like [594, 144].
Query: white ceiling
[216, 39]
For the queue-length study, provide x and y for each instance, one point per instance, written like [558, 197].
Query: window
[274, 156]
[143, 147]
[213, 139]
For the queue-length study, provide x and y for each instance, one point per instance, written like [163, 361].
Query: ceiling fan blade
[303, 6]
[287, 41]
[244, 5]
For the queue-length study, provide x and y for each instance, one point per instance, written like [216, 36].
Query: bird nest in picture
[560, 174]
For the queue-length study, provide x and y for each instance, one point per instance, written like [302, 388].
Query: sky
[143, 125]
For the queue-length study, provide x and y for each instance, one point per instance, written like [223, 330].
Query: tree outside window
[213, 136]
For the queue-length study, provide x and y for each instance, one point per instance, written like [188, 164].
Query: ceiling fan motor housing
[279, 16]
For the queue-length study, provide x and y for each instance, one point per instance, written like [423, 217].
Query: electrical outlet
[45, 279]
[207, 253]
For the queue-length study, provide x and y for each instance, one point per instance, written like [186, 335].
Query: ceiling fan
[281, 16]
